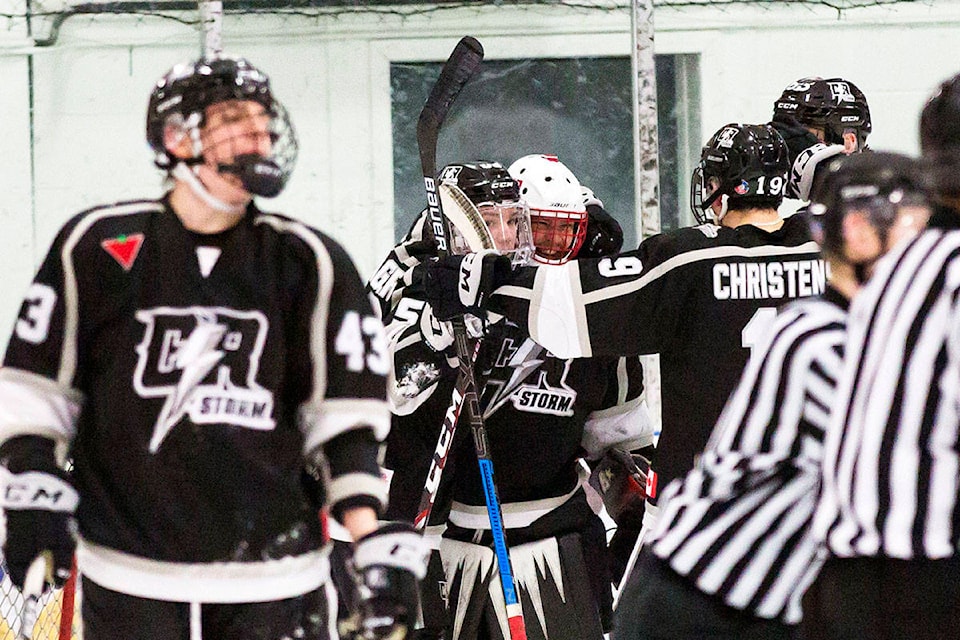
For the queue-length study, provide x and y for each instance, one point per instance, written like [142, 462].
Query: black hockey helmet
[181, 98]
[482, 181]
[833, 104]
[876, 183]
[490, 187]
[748, 163]
[940, 136]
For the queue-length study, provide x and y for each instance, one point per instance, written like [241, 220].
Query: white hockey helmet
[557, 213]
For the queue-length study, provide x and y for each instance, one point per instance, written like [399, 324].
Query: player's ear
[850, 141]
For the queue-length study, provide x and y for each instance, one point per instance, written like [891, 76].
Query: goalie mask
[226, 110]
[496, 196]
[834, 105]
[558, 215]
[876, 185]
[745, 164]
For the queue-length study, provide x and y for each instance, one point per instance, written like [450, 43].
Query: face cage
[700, 198]
[557, 232]
[282, 157]
[501, 218]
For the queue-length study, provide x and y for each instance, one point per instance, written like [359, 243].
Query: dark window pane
[577, 108]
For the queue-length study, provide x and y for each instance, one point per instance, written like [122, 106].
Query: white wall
[90, 91]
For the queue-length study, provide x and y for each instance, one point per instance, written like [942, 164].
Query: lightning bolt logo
[524, 361]
[195, 359]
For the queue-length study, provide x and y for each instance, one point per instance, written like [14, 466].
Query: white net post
[211, 28]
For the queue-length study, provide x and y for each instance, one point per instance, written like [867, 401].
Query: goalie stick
[462, 64]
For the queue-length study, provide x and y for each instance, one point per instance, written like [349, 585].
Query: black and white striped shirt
[738, 524]
[892, 461]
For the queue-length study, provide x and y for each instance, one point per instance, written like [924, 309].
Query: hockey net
[58, 614]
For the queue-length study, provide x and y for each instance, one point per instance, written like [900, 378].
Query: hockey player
[733, 549]
[197, 354]
[700, 297]
[831, 111]
[543, 415]
[888, 507]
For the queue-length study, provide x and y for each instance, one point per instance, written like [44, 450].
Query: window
[577, 108]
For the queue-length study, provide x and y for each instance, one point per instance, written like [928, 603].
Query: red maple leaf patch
[124, 249]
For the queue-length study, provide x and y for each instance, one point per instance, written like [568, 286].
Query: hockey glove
[620, 478]
[455, 285]
[389, 563]
[604, 235]
[38, 502]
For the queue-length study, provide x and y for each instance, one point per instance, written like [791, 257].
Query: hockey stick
[463, 62]
[457, 71]
[32, 590]
[463, 214]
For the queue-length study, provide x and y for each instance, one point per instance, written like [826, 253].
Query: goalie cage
[57, 614]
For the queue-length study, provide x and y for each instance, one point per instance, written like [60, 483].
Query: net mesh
[46, 17]
[51, 623]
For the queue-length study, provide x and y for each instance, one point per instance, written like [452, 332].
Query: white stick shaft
[211, 28]
[32, 590]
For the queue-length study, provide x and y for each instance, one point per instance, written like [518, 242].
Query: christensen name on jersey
[754, 281]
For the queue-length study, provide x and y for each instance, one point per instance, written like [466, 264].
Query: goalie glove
[456, 285]
[621, 479]
[389, 564]
[38, 504]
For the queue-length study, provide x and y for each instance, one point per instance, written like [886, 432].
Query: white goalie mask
[558, 216]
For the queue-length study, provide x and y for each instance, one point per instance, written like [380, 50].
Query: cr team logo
[204, 361]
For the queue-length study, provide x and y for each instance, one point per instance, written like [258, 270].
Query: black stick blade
[463, 63]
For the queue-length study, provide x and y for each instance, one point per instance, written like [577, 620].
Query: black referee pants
[883, 599]
[659, 604]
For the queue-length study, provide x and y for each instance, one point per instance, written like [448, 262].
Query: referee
[890, 508]
[732, 550]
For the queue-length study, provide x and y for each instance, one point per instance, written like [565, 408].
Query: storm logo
[542, 398]
[204, 361]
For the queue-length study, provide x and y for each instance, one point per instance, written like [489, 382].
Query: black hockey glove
[604, 235]
[621, 480]
[455, 285]
[389, 563]
[38, 502]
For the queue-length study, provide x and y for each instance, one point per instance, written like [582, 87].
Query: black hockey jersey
[542, 413]
[192, 374]
[700, 297]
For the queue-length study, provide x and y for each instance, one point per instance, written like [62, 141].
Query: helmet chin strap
[723, 209]
[186, 174]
